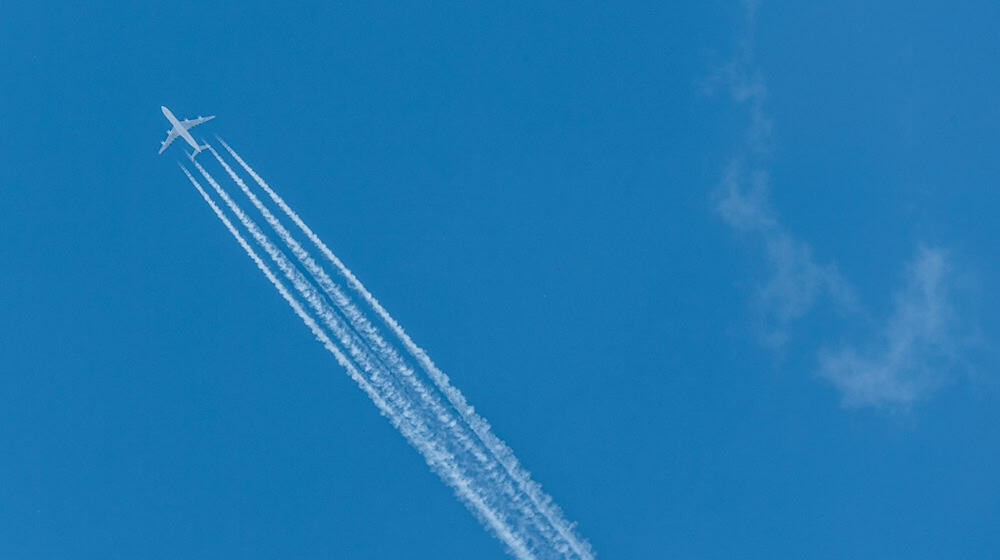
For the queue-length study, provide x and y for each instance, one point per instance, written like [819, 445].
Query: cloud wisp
[912, 353]
[915, 350]
[795, 281]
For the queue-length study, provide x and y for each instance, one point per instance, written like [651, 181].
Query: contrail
[412, 427]
[390, 357]
[489, 468]
[357, 320]
[296, 307]
[479, 425]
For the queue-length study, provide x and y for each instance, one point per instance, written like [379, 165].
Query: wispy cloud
[795, 281]
[915, 351]
[912, 353]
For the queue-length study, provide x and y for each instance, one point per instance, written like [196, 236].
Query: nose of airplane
[163, 109]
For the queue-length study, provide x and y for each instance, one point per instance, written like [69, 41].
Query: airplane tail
[196, 151]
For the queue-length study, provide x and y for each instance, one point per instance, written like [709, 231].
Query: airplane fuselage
[181, 131]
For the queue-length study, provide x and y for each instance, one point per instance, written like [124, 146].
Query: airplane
[180, 128]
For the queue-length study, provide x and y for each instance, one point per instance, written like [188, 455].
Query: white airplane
[180, 128]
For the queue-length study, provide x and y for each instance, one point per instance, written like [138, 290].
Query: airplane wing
[171, 135]
[191, 123]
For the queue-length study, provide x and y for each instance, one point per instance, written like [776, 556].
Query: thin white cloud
[743, 201]
[795, 281]
[915, 351]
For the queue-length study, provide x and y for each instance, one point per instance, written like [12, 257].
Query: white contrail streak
[442, 462]
[296, 307]
[479, 425]
[357, 320]
[389, 356]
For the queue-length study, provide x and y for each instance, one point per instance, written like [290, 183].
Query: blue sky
[722, 282]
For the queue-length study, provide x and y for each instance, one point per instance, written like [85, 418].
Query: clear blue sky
[800, 365]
